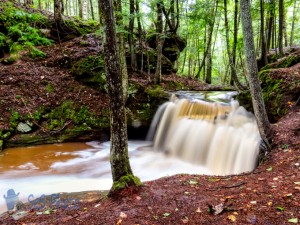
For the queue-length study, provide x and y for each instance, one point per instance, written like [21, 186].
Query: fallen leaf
[232, 218]
[138, 198]
[186, 193]
[235, 213]
[123, 215]
[193, 182]
[293, 220]
[96, 206]
[270, 203]
[166, 214]
[198, 210]
[288, 195]
[297, 188]
[253, 202]
[270, 169]
[280, 208]
[119, 222]
[297, 183]
[176, 209]
[185, 220]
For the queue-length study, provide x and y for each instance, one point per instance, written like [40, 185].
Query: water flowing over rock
[224, 138]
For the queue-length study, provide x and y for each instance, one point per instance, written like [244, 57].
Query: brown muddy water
[73, 167]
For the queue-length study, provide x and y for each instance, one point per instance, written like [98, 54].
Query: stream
[74, 167]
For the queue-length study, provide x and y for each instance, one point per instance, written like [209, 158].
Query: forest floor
[269, 195]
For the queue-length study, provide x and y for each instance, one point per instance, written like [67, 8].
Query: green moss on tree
[126, 181]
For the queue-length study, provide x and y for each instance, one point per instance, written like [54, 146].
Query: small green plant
[14, 119]
[49, 88]
[285, 146]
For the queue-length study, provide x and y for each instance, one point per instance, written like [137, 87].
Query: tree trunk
[262, 35]
[121, 46]
[140, 33]
[121, 171]
[270, 24]
[208, 55]
[131, 42]
[293, 25]
[159, 42]
[84, 9]
[230, 56]
[214, 12]
[255, 89]
[92, 9]
[57, 13]
[280, 30]
[80, 13]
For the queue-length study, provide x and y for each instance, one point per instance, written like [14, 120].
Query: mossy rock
[173, 45]
[280, 87]
[90, 70]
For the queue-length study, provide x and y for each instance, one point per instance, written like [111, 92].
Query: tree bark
[280, 30]
[159, 41]
[270, 24]
[255, 89]
[293, 24]
[121, 46]
[131, 42]
[92, 9]
[262, 35]
[208, 55]
[121, 171]
[80, 8]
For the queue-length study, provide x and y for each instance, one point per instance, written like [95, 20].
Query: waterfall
[223, 137]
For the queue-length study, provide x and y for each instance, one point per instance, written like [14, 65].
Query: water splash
[224, 138]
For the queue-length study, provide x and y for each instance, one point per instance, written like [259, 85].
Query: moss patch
[126, 181]
[284, 63]
[90, 70]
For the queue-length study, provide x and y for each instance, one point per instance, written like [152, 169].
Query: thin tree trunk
[140, 33]
[159, 41]
[121, 46]
[293, 24]
[270, 24]
[92, 9]
[80, 12]
[255, 89]
[210, 36]
[131, 42]
[262, 35]
[208, 56]
[280, 30]
[84, 9]
[121, 171]
[231, 63]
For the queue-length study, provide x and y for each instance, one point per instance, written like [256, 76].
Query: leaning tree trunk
[208, 55]
[121, 171]
[255, 89]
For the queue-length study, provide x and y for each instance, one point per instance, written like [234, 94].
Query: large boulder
[172, 47]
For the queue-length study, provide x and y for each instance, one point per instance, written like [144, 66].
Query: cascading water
[223, 137]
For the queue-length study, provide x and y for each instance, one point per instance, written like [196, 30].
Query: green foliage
[156, 91]
[69, 111]
[21, 32]
[14, 119]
